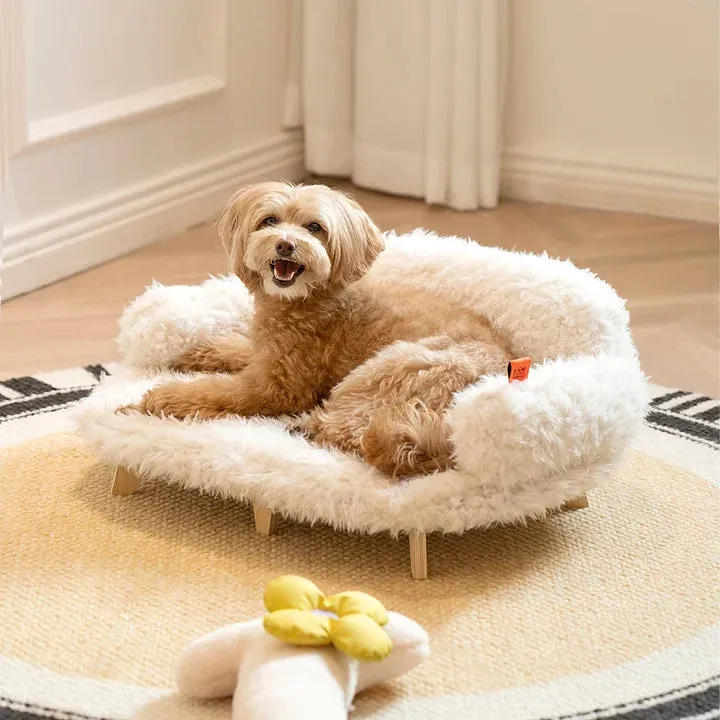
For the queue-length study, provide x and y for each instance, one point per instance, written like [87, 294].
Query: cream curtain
[403, 96]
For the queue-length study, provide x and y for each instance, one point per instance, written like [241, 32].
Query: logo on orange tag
[519, 369]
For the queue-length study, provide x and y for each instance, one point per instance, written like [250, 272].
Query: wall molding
[535, 178]
[4, 105]
[12, 67]
[3, 129]
[48, 248]
[160, 98]
[25, 135]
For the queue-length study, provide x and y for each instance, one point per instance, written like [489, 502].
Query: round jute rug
[607, 612]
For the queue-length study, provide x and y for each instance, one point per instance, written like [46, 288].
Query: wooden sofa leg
[265, 520]
[418, 554]
[579, 503]
[125, 482]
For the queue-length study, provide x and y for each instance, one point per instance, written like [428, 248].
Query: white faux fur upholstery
[522, 448]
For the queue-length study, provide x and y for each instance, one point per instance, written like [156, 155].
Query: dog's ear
[356, 244]
[233, 227]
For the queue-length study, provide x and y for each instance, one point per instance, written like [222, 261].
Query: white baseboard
[63, 243]
[609, 187]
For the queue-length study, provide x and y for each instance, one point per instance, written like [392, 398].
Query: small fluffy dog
[367, 371]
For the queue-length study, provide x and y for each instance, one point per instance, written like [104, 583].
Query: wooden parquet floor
[668, 270]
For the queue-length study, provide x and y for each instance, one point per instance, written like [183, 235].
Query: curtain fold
[402, 96]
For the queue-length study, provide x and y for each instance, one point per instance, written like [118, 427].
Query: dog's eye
[314, 227]
[269, 221]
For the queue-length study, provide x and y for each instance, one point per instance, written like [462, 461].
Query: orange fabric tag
[519, 369]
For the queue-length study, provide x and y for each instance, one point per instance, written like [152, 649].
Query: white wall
[87, 52]
[131, 120]
[614, 103]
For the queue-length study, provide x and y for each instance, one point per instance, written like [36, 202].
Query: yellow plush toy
[300, 614]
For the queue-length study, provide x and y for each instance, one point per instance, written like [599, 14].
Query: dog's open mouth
[285, 272]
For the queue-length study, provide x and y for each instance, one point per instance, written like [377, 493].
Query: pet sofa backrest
[549, 308]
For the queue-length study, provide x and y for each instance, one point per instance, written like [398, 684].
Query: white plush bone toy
[306, 658]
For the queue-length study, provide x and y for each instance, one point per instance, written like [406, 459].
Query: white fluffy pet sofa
[522, 448]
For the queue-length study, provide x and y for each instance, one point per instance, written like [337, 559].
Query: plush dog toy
[306, 659]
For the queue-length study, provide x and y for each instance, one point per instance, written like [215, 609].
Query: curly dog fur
[367, 374]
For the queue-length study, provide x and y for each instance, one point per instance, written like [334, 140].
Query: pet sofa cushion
[522, 448]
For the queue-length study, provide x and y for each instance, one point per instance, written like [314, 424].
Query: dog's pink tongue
[285, 269]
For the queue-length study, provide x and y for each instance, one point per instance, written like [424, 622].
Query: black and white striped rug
[49, 392]
[677, 682]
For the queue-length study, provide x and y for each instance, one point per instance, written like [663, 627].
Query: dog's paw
[127, 409]
[146, 406]
[171, 400]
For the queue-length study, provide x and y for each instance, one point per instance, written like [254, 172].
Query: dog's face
[290, 241]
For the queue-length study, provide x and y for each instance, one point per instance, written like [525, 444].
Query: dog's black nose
[284, 248]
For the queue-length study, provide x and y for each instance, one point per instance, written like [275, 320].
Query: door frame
[12, 96]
